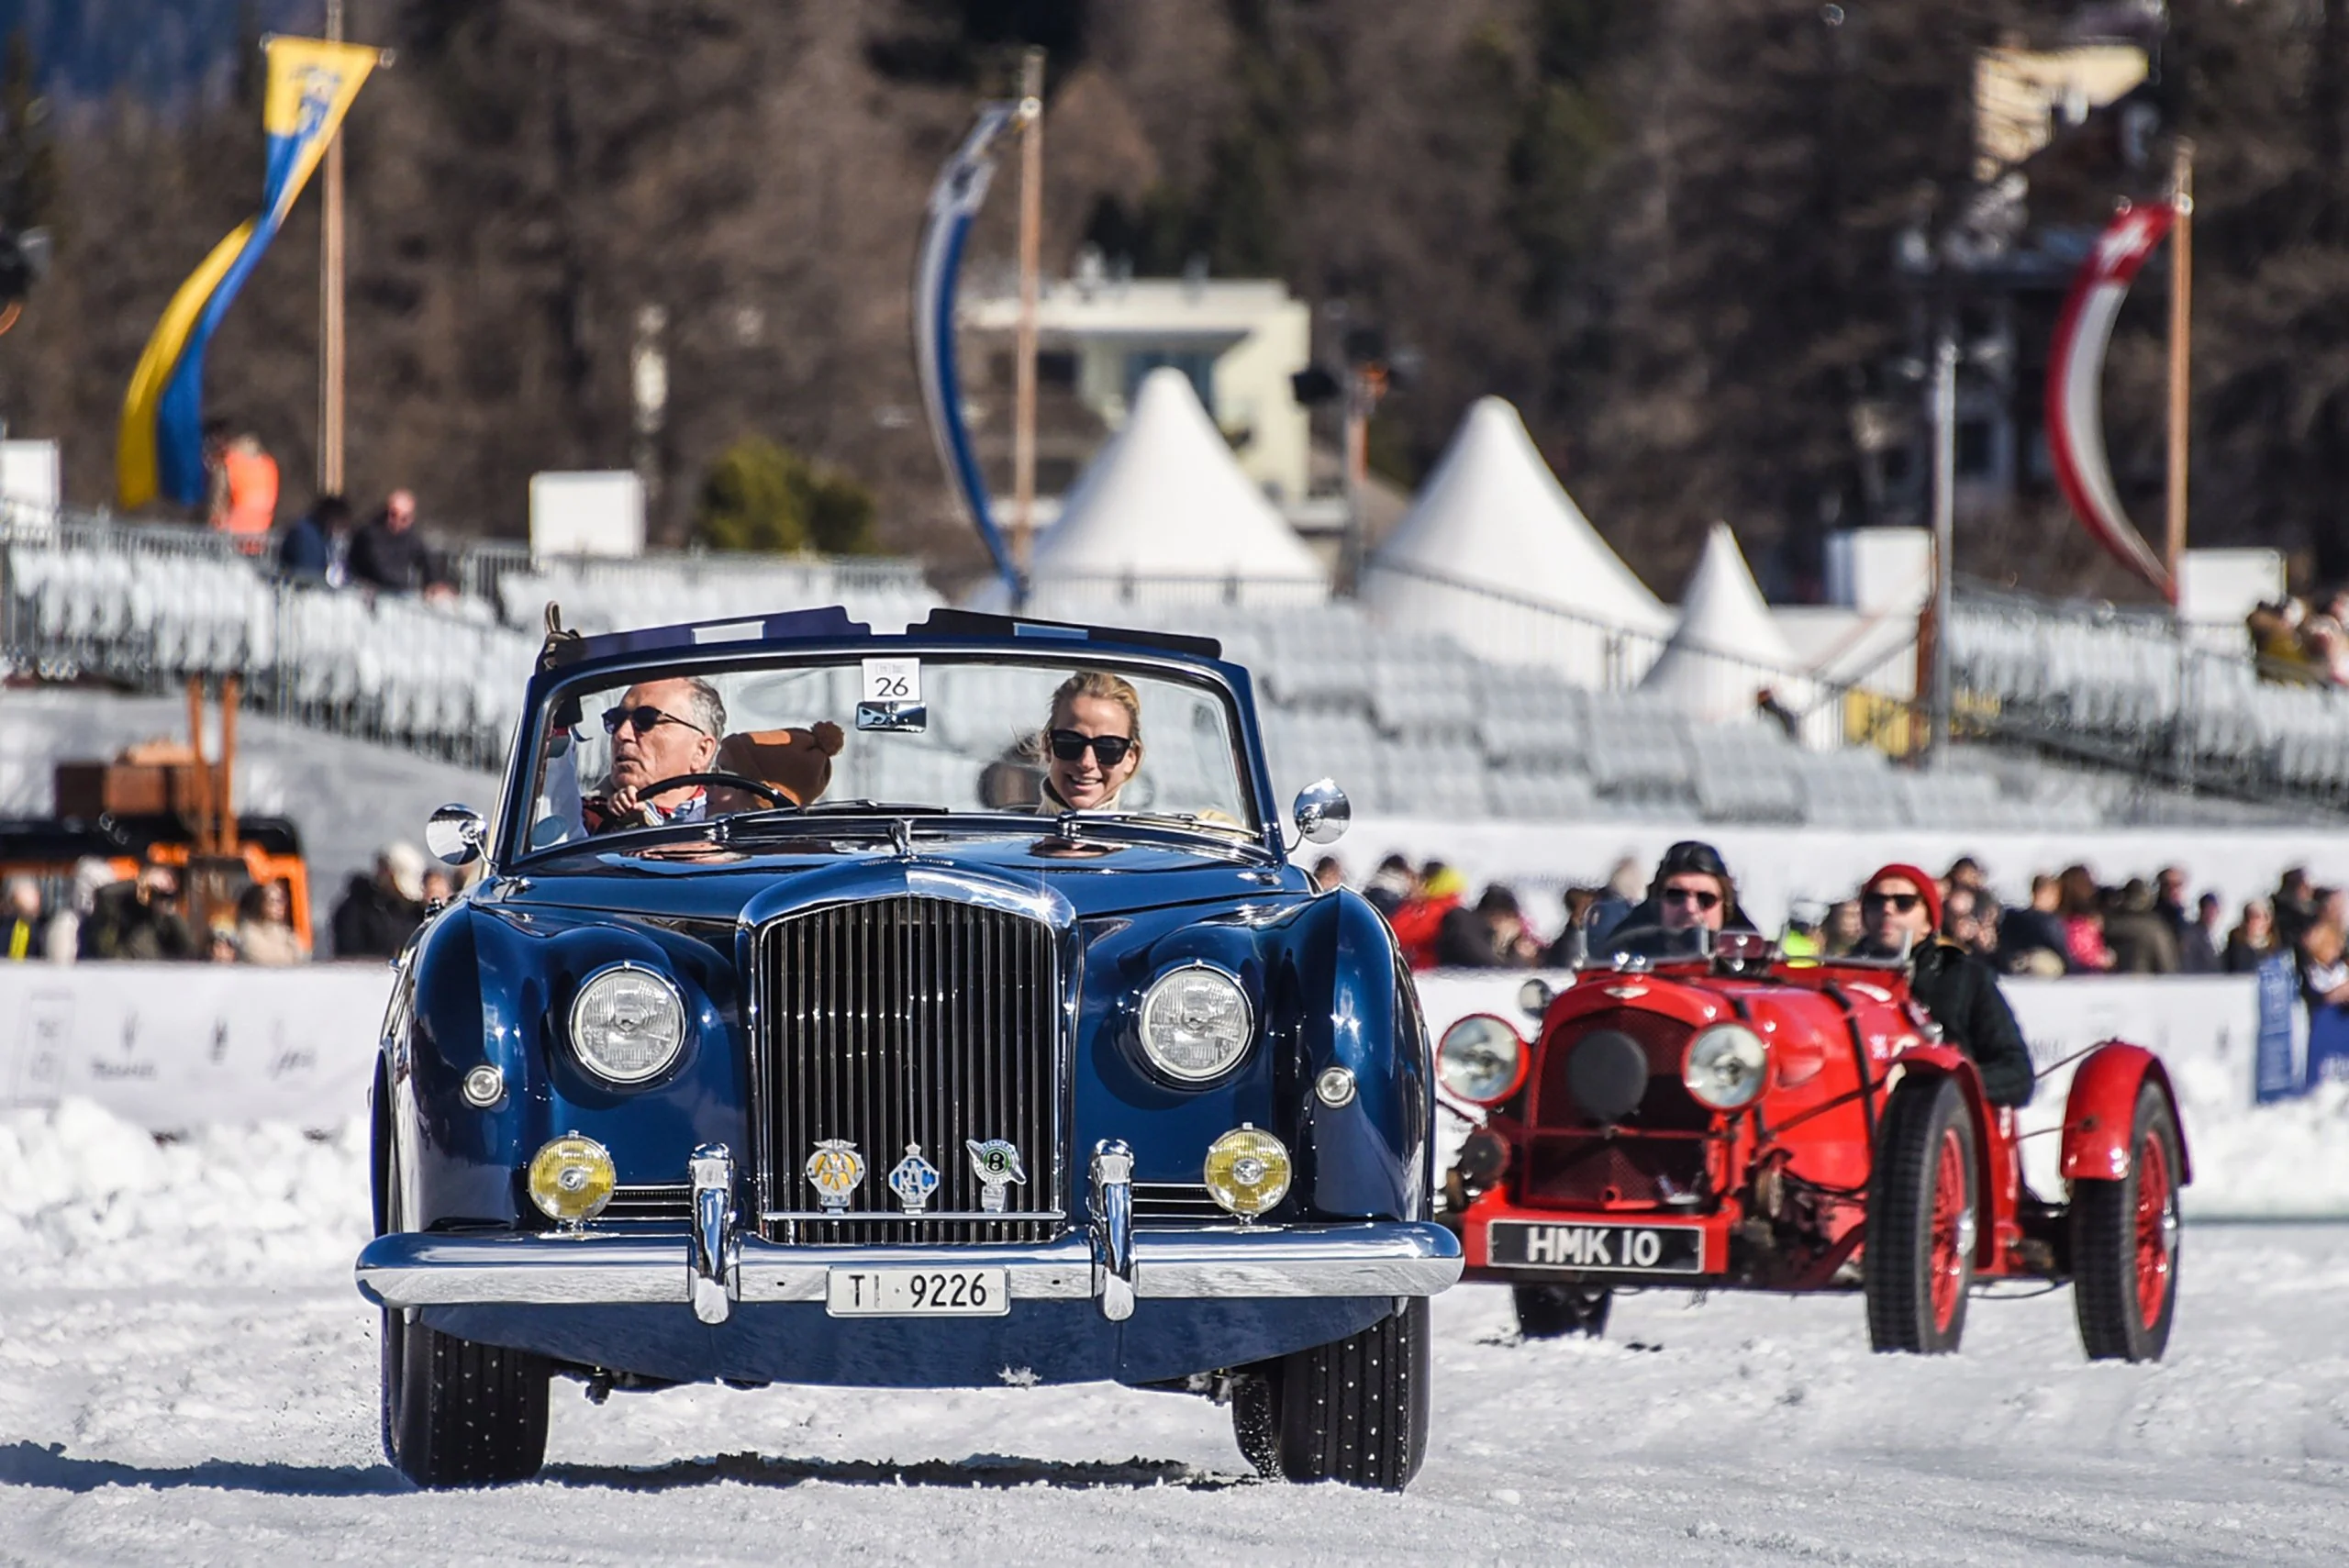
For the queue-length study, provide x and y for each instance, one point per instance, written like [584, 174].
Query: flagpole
[2181, 321]
[330, 345]
[1031, 209]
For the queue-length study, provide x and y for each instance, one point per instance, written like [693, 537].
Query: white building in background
[1237, 340]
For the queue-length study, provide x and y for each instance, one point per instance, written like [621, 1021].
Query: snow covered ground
[186, 1376]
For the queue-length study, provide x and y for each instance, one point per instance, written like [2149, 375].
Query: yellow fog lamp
[1247, 1171]
[571, 1179]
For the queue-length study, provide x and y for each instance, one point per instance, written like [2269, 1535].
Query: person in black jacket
[1903, 908]
[134, 920]
[378, 913]
[316, 550]
[388, 555]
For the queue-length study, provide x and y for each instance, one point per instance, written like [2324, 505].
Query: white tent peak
[1728, 645]
[1164, 498]
[1493, 515]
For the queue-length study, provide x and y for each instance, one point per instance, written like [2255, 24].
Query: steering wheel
[773, 797]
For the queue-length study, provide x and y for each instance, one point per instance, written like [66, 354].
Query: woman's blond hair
[1100, 683]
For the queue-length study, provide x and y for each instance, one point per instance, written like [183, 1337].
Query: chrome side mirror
[1533, 999]
[456, 835]
[1323, 813]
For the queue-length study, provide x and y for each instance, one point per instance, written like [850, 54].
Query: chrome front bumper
[1110, 1262]
[1376, 1258]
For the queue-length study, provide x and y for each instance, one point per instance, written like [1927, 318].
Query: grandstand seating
[1409, 724]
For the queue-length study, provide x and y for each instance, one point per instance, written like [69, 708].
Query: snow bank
[87, 1199]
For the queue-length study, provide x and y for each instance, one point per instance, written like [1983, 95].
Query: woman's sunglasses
[1902, 902]
[1107, 750]
[644, 720]
[1697, 896]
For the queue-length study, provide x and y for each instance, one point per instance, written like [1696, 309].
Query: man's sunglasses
[1697, 896]
[1107, 750]
[644, 720]
[1902, 902]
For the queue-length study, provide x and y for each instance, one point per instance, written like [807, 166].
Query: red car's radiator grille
[901, 1022]
[1656, 1153]
[1667, 1107]
[1585, 1168]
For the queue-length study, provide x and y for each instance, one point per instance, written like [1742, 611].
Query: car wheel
[2125, 1238]
[1355, 1411]
[1553, 1311]
[461, 1413]
[1919, 1261]
[455, 1413]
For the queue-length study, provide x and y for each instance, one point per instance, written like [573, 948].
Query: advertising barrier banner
[175, 1046]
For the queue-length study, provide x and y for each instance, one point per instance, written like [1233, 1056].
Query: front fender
[2101, 1113]
[1358, 1009]
[1948, 1062]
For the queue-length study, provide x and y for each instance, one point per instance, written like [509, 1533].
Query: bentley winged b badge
[996, 1165]
[834, 1170]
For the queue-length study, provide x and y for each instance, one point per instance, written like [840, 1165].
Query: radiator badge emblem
[913, 1180]
[996, 1165]
[835, 1169]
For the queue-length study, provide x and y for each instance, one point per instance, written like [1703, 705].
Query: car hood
[695, 882]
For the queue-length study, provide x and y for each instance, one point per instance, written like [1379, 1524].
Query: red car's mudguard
[2101, 1113]
[1995, 1176]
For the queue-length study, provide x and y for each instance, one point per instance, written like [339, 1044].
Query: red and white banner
[2076, 386]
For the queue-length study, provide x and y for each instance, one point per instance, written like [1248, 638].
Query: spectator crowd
[2301, 643]
[386, 554]
[2069, 924]
[94, 915]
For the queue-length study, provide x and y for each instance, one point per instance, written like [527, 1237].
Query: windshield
[951, 733]
[1654, 943]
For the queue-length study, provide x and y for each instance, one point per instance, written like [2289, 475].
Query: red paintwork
[2153, 1260]
[1949, 1218]
[1778, 1189]
[2101, 1113]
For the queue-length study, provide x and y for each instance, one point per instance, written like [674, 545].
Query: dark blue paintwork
[1050, 1341]
[492, 978]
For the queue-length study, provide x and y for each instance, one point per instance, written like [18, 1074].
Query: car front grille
[901, 1022]
[1667, 1106]
[1654, 1158]
[669, 1202]
[1177, 1203]
[1660, 1169]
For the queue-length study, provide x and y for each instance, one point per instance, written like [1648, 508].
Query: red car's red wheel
[1952, 1262]
[2125, 1238]
[1918, 1259]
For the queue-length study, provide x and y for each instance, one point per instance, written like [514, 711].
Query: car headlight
[627, 1024]
[1195, 1023]
[571, 1179]
[1247, 1171]
[1726, 1066]
[1481, 1059]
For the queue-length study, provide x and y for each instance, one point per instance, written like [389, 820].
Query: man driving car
[660, 729]
[1691, 891]
[1901, 907]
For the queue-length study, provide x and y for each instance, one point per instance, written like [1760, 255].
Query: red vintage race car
[1707, 1113]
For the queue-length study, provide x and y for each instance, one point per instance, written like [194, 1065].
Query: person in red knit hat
[1901, 908]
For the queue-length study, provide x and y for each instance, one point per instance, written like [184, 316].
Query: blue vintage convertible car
[940, 1009]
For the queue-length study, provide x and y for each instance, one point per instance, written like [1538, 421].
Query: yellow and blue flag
[160, 448]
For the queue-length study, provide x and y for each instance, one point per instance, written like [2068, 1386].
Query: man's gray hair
[704, 708]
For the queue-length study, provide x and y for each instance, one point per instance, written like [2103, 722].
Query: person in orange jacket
[244, 492]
